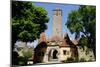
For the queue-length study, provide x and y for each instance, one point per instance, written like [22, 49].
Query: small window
[64, 52]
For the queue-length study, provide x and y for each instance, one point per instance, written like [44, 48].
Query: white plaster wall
[62, 56]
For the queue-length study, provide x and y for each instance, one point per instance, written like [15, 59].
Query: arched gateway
[53, 55]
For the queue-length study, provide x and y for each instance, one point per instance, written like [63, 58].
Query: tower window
[56, 13]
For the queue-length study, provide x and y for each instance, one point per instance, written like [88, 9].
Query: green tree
[83, 41]
[28, 21]
[83, 21]
[27, 53]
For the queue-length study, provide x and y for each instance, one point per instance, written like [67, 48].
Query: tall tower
[57, 22]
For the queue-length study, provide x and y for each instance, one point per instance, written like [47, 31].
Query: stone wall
[85, 54]
[63, 57]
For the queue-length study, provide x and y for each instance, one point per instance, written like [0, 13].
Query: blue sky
[66, 8]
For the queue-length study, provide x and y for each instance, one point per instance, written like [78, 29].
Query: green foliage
[73, 22]
[28, 21]
[83, 41]
[83, 21]
[22, 61]
[82, 60]
[27, 53]
[71, 60]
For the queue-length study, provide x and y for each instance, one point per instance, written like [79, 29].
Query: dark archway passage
[55, 54]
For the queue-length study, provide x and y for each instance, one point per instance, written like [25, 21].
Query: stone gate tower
[55, 49]
[57, 22]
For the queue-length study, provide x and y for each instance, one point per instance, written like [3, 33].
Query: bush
[82, 60]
